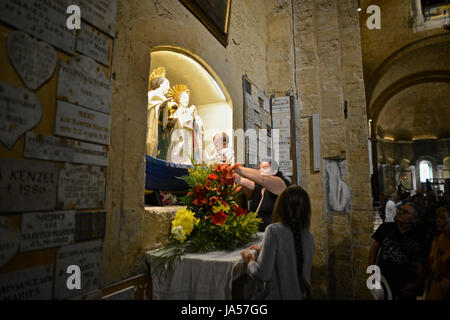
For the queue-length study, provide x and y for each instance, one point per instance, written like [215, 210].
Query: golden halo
[176, 90]
[159, 72]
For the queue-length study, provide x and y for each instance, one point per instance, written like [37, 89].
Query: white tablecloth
[201, 276]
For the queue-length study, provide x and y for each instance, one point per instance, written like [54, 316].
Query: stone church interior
[132, 131]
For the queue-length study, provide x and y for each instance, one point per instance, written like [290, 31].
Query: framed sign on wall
[213, 14]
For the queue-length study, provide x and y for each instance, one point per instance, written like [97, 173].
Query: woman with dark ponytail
[284, 261]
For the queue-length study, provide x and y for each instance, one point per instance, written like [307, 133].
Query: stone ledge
[168, 211]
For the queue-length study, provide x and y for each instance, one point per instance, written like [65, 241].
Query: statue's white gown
[188, 132]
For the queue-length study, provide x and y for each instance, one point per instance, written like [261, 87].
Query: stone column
[397, 175]
[419, 14]
[383, 177]
[440, 171]
[413, 177]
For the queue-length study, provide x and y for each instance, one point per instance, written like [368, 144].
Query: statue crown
[159, 72]
[176, 90]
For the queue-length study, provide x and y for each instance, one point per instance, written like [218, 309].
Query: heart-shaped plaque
[10, 238]
[35, 61]
[20, 111]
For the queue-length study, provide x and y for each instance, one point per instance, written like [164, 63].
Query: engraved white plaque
[60, 149]
[94, 44]
[44, 19]
[29, 284]
[9, 240]
[42, 230]
[27, 185]
[34, 61]
[80, 123]
[81, 81]
[81, 187]
[86, 255]
[100, 13]
[20, 111]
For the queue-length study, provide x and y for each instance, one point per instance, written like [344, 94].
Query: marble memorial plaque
[60, 149]
[81, 187]
[9, 240]
[29, 284]
[20, 111]
[94, 44]
[124, 294]
[83, 82]
[44, 19]
[27, 185]
[42, 230]
[80, 123]
[86, 255]
[90, 226]
[100, 13]
[91, 295]
[34, 61]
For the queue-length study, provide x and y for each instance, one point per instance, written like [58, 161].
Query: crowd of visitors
[412, 246]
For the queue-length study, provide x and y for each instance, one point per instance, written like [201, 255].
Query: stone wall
[324, 69]
[142, 26]
[329, 72]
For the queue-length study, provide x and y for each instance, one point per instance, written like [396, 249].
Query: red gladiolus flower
[239, 188]
[212, 177]
[200, 201]
[213, 200]
[219, 218]
[240, 211]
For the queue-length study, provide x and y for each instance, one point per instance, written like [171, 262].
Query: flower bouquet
[212, 219]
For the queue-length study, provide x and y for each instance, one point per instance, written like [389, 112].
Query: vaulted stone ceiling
[418, 112]
[407, 74]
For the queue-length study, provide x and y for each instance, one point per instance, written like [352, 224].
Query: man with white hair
[391, 209]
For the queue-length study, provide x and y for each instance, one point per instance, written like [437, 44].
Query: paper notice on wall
[285, 154]
[286, 168]
[265, 101]
[280, 100]
[267, 119]
[252, 152]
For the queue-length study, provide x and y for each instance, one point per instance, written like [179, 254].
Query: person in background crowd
[401, 247]
[263, 187]
[284, 261]
[437, 271]
[391, 209]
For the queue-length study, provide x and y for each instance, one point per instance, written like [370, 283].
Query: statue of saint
[187, 137]
[159, 114]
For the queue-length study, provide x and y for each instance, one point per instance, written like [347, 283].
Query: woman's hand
[247, 256]
[255, 247]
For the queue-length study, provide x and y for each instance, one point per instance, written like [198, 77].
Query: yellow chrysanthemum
[186, 220]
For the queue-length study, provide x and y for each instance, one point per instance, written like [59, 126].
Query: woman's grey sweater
[276, 263]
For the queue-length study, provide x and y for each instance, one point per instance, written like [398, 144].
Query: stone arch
[208, 92]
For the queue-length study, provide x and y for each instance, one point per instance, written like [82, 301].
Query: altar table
[201, 276]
